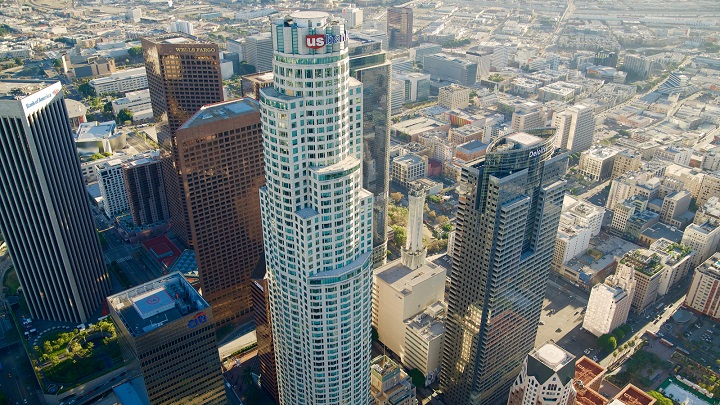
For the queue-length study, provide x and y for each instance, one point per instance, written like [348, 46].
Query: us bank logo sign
[317, 41]
[199, 319]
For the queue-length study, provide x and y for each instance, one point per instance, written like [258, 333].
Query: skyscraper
[44, 212]
[508, 215]
[220, 152]
[369, 64]
[183, 75]
[576, 128]
[146, 190]
[167, 332]
[258, 51]
[400, 27]
[317, 218]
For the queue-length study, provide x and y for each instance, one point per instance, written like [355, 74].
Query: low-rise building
[424, 337]
[471, 150]
[626, 161]
[596, 164]
[407, 168]
[137, 102]
[704, 294]
[99, 137]
[121, 82]
[708, 212]
[389, 384]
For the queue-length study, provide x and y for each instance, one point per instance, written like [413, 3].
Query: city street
[17, 379]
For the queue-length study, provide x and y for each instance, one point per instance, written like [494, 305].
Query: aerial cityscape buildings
[438, 203]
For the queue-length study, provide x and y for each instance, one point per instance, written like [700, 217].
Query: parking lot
[700, 336]
[562, 317]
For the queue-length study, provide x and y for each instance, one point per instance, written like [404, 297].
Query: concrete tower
[413, 254]
[316, 216]
[44, 212]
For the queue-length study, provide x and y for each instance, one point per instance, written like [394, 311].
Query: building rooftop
[88, 131]
[430, 324]
[403, 279]
[75, 108]
[473, 146]
[119, 75]
[262, 77]
[524, 139]
[18, 89]
[407, 160]
[151, 305]
[549, 359]
[163, 250]
[221, 111]
[659, 230]
[588, 371]
[711, 266]
[632, 395]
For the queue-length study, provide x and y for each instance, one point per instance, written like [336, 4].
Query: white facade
[397, 95]
[406, 168]
[704, 293]
[704, 239]
[186, 27]
[134, 101]
[575, 128]
[610, 302]
[317, 218]
[112, 187]
[582, 213]
[353, 17]
[121, 81]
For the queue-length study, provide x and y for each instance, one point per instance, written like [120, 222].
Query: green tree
[495, 77]
[442, 220]
[107, 107]
[607, 342]
[418, 379]
[18, 61]
[124, 115]
[661, 399]
[400, 235]
[618, 333]
[57, 63]
[135, 51]
[86, 89]
[396, 197]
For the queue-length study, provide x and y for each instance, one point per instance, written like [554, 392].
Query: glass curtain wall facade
[369, 64]
[508, 216]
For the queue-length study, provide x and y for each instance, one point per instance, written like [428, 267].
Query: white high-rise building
[609, 303]
[186, 27]
[575, 128]
[317, 218]
[112, 187]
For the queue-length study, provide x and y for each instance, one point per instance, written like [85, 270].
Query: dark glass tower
[183, 75]
[507, 220]
[44, 211]
[400, 27]
[369, 64]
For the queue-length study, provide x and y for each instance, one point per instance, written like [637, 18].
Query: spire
[413, 254]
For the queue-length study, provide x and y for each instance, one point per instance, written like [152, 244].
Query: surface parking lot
[562, 317]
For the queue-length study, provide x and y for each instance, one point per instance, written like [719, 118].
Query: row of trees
[609, 341]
